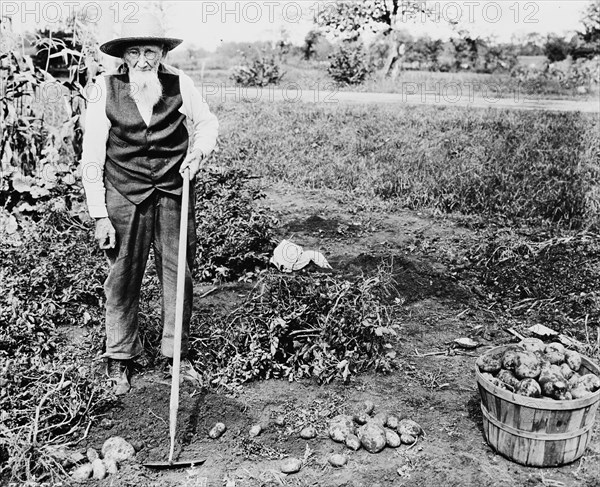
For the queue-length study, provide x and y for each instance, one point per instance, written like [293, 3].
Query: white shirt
[202, 127]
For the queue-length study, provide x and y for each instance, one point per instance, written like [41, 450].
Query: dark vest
[140, 158]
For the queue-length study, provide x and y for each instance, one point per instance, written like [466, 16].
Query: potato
[528, 366]
[590, 382]
[392, 438]
[566, 371]
[573, 380]
[361, 418]
[498, 383]
[508, 378]
[533, 345]
[555, 352]
[556, 389]
[555, 358]
[567, 396]
[308, 433]
[553, 383]
[550, 373]
[580, 392]
[352, 442]
[340, 427]
[217, 430]
[573, 359]
[380, 418]
[529, 388]
[255, 430]
[490, 363]
[372, 437]
[509, 359]
[392, 421]
[407, 439]
[409, 427]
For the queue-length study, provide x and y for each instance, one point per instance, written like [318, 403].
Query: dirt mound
[142, 417]
[415, 279]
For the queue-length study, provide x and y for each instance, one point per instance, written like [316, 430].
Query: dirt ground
[438, 391]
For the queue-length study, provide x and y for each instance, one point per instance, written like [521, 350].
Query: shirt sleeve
[96, 129]
[203, 125]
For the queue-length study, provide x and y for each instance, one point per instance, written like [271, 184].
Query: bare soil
[441, 303]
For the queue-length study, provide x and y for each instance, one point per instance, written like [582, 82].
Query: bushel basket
[537, 432]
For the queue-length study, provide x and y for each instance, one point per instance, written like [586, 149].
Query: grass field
[533, 165]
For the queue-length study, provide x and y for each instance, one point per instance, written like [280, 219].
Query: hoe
[174, 406]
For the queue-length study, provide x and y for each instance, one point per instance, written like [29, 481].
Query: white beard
[145, 87]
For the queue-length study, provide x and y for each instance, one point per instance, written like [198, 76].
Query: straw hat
[144, 29]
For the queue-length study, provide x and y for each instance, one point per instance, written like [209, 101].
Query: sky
[209, 23]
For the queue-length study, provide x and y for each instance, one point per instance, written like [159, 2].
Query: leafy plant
[349, 65]
[39, 159]
[262, 71]
[234, 236]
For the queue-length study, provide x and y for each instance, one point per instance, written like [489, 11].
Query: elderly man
[146, 128]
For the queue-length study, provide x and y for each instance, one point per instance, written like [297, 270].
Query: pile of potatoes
[535, 369]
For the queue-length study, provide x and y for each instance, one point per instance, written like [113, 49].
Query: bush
[234, 237]
[349, 65]
[556, 48]
[263, 71]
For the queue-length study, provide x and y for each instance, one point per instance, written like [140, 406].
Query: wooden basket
[537, 432]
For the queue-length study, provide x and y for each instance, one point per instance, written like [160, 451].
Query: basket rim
[537, 403]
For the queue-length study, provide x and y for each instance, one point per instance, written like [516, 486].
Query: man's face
[144, 57]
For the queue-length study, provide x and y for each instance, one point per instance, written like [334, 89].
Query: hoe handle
[181, 267]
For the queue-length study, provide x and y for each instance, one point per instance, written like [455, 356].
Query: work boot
[118, 373]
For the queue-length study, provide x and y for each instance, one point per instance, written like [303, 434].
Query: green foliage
[310, 42]
[235, 237]
[580, 74]
[349, 65]
[556, 48]
[424, 51]
[264, 70]
[591, 24]
[296, 326]
[50, 278]
[38, 161]
[349, 19]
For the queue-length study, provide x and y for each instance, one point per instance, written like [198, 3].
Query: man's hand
[193, 162]
[105, 234]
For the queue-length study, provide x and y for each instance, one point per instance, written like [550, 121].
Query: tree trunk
[393, 57]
